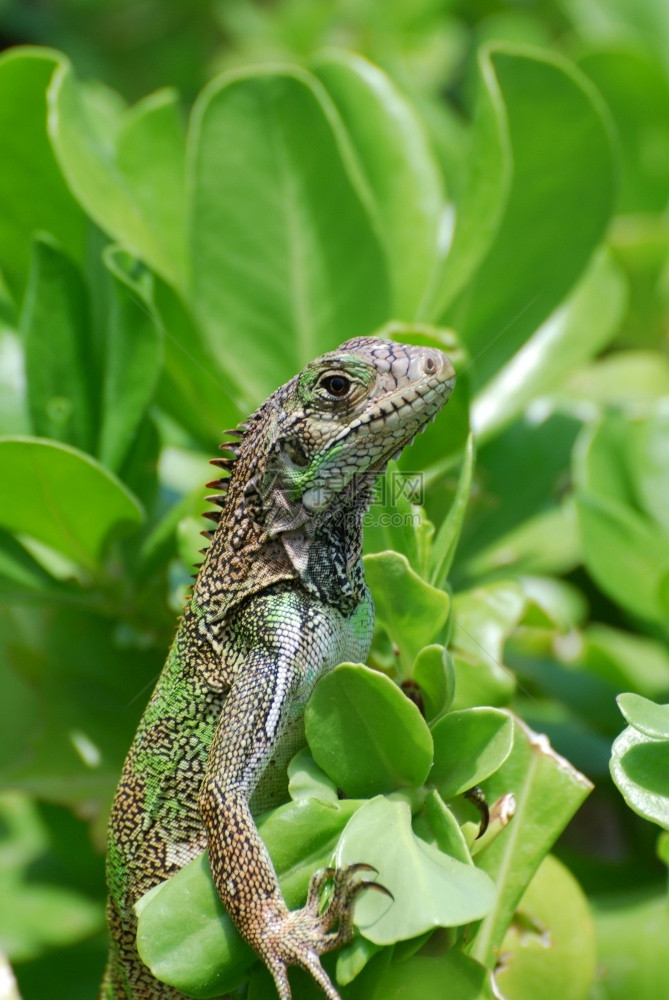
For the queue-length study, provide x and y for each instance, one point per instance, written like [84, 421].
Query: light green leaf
[365, 734]
[412, 612]
[548, 791]
[446, 541]
[434, 674]
[549, 950]
[624, 555]
[560, 199]
[632, 930]
[401, 176]
[43, 484]
[125, 170]
[422, 976]
[306, 780]
[56, 330]
[133, 359]
[469, 746]
[571, 335]
[640, 769]
[30, 180]
[645, 716]
[483, 619]
[430, 888]
[488, 175]
[284, 257]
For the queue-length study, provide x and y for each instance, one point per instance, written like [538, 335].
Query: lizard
[279, 599]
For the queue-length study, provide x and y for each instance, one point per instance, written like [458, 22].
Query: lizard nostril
[430, 365]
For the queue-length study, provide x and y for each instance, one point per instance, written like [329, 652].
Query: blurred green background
[562, 306]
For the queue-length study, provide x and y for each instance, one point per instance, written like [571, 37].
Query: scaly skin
[280, 599]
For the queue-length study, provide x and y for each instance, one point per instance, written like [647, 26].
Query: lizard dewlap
[280, 599]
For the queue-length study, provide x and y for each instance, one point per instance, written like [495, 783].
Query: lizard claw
[301, 936]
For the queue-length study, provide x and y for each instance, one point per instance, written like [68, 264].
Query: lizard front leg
[251, 724]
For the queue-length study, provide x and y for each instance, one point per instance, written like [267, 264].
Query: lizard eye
[336, 385]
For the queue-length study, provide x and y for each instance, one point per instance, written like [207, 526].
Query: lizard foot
[301, 936]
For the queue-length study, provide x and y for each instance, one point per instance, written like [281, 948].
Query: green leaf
[627, 661]
[365, 734]
[624, 555]
[299, 269]
[402, 179]
[571, 335]
[547, 791]
[126, 170]
[184, 934]
[306, 780]
[56, 329]
[422, 976]
[483, 619]
[445, 544]
[488, 174]
[632, 931]
[412, 612]
[469, 746]
[30, 181]
[640, 770]
[434, 674]
[634, 85]
[132, 363]
[560, 199]
[645, 716]
[63, 498]
[549, 950]
[430, 888]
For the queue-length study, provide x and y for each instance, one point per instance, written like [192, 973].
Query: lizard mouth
[404, 413]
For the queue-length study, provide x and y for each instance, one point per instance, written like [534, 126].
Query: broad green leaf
[412, 612]
[32, 190]
[632, 930]
[448, 536]
[640, 769]
[430, 888]
[56, 331]
[132, 363]
[63, 498]
[560, 199]
[124, 169]
[546, 542]
[635, 87]
[151, 159]
[483, 619]
[434, 674]
[549, 950]
[628, 661]
[403, 185]
[184, 934]
[488, 175]
[469, 746]
[645, 716]
[573, 334]
[284, 257]
[548, 791]
[365, 734]
[626, 557]
[421, 977]
[632, 381]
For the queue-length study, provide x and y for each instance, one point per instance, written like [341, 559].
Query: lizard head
[341, 420]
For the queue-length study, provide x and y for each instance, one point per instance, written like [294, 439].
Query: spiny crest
[221, 484]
